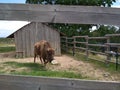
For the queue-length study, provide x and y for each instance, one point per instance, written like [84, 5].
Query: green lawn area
[4, 49]
[36, 69]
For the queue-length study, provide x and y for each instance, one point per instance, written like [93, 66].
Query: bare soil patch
[65, 63]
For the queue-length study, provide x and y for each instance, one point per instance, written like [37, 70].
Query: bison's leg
[41, 59]
[35, 57]
[45, 61]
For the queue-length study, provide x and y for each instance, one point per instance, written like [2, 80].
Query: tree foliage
[104, 3]
[73, 29]
[103, 30]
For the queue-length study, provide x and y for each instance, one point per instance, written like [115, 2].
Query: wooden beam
[9, 82]
[60, 14]
[97, 38]
[112, 35]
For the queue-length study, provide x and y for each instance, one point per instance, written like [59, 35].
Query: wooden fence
[85, 43]
[10, 82]
[60, 14]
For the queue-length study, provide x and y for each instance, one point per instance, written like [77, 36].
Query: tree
[103, 30]
[105, 3]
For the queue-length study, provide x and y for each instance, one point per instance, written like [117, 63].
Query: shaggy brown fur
[44, 50]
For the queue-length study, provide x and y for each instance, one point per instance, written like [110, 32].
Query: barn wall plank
[41, 31]
[32, 39]
[29, 41]
[24, 41]
[20, 41]
[20, 44]
[58, 44]
[40, 28]
[47, 33]
[16, 44]
[54, 38]
[37, 31]
[57, 39]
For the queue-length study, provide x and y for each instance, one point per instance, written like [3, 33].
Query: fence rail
[109, 35]
[10, 82]
[86, 42]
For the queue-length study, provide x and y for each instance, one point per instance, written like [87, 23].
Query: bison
[44, 50]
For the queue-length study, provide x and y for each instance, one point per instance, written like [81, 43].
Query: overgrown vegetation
[7, 49]
[8, 41]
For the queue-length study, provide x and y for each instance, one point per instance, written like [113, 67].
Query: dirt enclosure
[66, 63]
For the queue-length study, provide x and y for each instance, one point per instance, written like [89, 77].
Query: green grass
[36, 69]
[110, 67]
[7, 49]
[32, 66]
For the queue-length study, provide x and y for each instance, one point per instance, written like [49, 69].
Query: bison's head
[50, 54]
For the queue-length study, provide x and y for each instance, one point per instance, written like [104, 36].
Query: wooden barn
[28, 35]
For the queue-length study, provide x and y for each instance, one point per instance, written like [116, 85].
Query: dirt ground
[66, 63]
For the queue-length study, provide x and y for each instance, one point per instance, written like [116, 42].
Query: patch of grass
[7, 49]
[63, 74]
[32, 66]
[110, 67]
[36, 69]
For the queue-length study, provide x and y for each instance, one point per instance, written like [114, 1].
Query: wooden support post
[74, 45]
[87, 54]
[19, 54]
[117, 56]
[108, 50]
[66, 41]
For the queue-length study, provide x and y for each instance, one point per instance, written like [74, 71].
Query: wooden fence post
[87, 54]
[74, 45]
[66, 43]
[108, 50]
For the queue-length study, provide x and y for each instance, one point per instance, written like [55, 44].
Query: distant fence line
[75, 42]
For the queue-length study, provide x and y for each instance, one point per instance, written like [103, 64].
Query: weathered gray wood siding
[60, 14]
[10, 82]
[26, 37]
